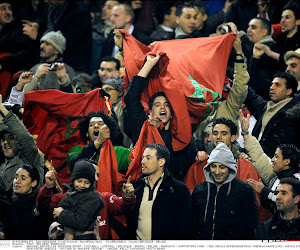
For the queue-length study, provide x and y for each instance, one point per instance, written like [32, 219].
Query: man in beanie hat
[224, 207]
[114, 87]
[51, 72]
[79, 209]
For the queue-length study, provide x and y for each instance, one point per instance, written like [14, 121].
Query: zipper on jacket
[214, 215]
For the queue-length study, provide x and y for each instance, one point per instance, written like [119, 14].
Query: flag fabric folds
[191, 73]
[110, 180]
[54, 116]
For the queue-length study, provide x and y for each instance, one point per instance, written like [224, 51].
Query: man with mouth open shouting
[160, 111]
[94, 129]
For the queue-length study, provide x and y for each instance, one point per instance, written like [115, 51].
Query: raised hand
[201, 156]
[155, 121]
[257, 185]
[50, 178]
[30, 29]
[127, 188]
[244, 122]
[258, 50]
[57, 211]
[118, 39]
[104, 133]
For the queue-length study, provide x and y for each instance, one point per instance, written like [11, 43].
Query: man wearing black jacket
[285, 224]
[273, 126]
[163, 206]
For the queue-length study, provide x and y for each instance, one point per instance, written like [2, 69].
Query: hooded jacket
[226, 211]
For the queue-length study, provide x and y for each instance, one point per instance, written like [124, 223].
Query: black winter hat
[83, 169]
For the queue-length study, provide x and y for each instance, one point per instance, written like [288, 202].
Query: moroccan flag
[190, 72]
[54, 116]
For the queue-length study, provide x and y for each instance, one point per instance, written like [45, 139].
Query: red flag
[110, 180]
[54, 116]
[108, 168]
[191, 73]
[4, 78]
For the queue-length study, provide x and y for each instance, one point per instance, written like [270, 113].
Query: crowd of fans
[238, 176]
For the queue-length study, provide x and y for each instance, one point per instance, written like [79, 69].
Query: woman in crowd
[30, 224]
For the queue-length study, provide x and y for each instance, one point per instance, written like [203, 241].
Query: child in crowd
[79, 209]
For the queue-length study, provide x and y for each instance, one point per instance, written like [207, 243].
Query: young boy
[78, 210]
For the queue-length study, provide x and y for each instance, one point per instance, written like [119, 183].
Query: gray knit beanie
[56, 39]
[116, 83]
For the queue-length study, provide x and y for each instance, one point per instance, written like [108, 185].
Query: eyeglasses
[108, 89]
[7, 138]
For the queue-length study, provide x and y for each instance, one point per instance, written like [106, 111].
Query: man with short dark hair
[165, 13]
[292, 61]
[224, 207]
[186, 20]
[223, 131]
[106, 13]
[18, 51]
[109, 67]
[290, 21]
[163, 206]
[273, 127]
[289, 39]
[261, 67]
[202, 15]
[285, 224]
[161, 114]
[285, 163]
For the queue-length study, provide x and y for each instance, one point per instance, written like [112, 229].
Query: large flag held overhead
[191, 72]
[54, 116]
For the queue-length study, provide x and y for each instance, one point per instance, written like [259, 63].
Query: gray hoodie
[220, 154]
